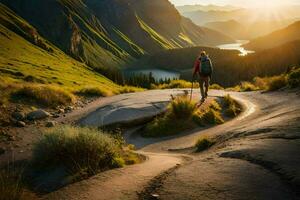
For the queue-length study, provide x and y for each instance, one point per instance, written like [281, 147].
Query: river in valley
[238, 45]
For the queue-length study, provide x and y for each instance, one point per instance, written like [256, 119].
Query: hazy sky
[244, 3]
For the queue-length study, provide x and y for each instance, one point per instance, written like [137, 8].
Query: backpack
[206, 66]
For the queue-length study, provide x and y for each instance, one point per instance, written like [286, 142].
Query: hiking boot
[203, 99]
[206, 95]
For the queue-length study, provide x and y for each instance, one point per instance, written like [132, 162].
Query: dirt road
[257, 156]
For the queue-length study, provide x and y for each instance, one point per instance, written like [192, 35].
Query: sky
[243, 3]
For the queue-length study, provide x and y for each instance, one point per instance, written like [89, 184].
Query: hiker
[203, 67]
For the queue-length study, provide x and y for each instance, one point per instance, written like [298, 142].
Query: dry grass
[129, 89]
[216, 87]
[42, 95]
[79, 150]
[175, 84]
[231, 106]
[92, 92]
[11, 183]
[293, 78]
[276, 82]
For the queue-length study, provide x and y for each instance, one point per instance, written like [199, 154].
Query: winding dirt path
[256, 157]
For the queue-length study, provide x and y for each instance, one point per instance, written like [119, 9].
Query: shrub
[43, 95]
[77, 149]
[277, 82]
[261, 83]
[293, 78]
[215, 105]
[93, 92]
[216, 87]
[11, 184]
[182, 108]
[203, 144]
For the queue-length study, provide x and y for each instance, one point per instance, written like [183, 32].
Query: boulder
[18, 115]
[38, 114]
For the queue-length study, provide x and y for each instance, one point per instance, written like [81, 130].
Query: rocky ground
[256, 155]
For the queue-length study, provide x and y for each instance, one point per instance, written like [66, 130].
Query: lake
[237, 46]
[156, 73]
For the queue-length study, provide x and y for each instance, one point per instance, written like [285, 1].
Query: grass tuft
[277, 82]
[204, 144]
[175, 84]
[92, 92]
[44, 95]
[129, 89]
[79, 150]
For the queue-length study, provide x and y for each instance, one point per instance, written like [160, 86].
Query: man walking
[204, 68]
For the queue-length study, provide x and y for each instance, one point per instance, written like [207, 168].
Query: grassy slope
[55, 67]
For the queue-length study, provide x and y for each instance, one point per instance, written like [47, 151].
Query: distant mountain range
[231, 22]
[108, 33]
[210, 7]
[279, 37]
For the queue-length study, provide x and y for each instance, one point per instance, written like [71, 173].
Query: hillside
[231, 28]
[276, 38]
[35, 59]
[229, 68]
[107, 34]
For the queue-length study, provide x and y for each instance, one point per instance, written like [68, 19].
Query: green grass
[11, 183]
[203, 144]
[79, 150]
[22, 61]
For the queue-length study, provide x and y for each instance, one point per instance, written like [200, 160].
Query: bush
[77, 149]
[277, 82]
[93, 92]
[216, 87]
[203, 144]
[293, 78]
[43, 95]
[11, 184]
[182, 108]
[261, 83]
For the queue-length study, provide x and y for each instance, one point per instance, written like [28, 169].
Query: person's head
[203, 54]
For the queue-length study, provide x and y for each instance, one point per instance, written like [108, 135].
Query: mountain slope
[276, 38]
[109, 33]
[25, 55]
[231, 28]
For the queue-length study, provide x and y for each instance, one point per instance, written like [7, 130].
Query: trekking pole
[192, 90]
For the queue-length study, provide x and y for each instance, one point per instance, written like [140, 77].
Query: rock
[21, 124]
[12, 138]
[55, 116]
[69, 108]
[2, 150]
[60, 111]
[38, 114]
[18, 116]
[50, 124]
